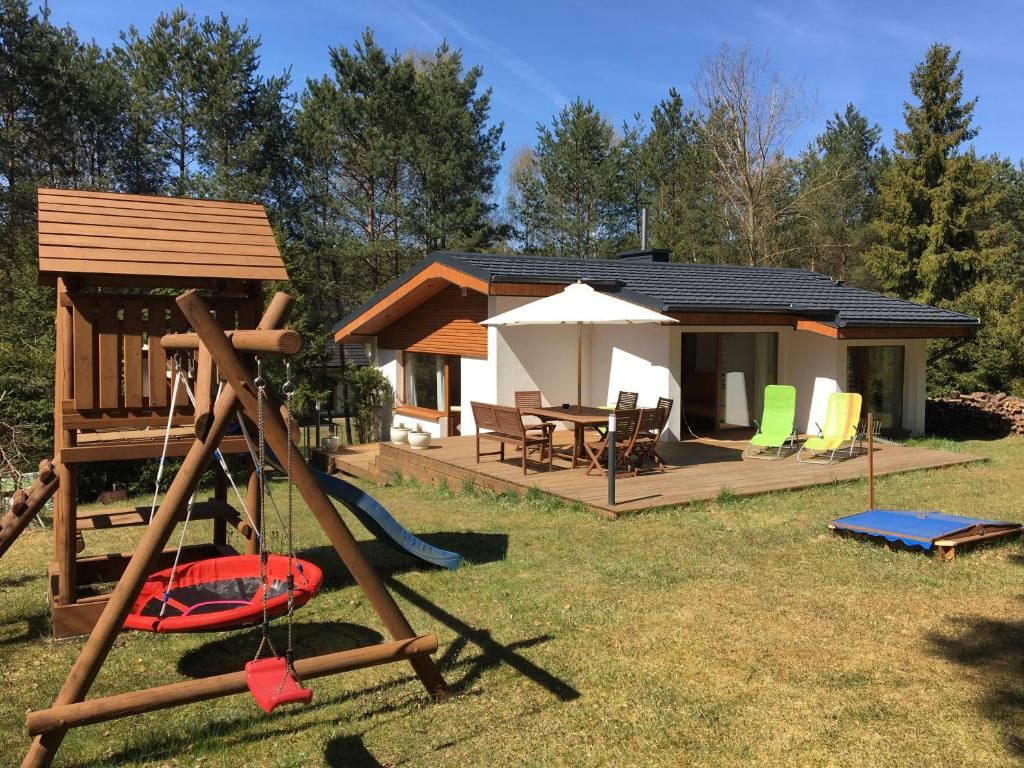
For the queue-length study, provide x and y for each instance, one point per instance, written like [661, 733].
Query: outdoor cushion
[840, 422]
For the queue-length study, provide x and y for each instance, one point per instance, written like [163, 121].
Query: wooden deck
[696, 470]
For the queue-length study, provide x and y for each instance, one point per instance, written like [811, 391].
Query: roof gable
[103, 233]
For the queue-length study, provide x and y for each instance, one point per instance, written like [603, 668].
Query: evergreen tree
[164, 74]
[581, 210]
[456, 156]
[937, 222]
[840, 169]
[944, 236]
[683, 211]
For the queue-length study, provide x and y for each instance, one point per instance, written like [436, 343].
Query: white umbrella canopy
[579, 304]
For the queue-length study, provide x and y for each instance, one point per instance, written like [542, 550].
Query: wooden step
[126, 517]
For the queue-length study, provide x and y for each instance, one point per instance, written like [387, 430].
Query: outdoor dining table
[580, 416]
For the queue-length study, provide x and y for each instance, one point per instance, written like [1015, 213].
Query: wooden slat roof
[102, 233]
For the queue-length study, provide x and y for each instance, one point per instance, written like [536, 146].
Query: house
[739, 329]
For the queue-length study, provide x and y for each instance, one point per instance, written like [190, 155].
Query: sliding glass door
[724, 376]
[877, 374]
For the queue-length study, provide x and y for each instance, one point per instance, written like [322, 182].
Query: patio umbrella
[581, 305]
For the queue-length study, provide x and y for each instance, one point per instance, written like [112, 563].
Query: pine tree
[945, 237]
[683, 213]
[581, 211]
[164, 76]
[937, 222]
[840, 172]
[456, 156]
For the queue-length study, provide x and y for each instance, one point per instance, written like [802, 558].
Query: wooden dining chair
[627, 401]
[648, 435]
[530, 398]
[626, 424]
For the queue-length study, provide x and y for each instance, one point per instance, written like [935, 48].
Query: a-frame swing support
[241, 393]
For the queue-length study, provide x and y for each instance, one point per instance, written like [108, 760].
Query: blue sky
[625, 56]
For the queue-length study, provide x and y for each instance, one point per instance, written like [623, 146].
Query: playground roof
[102, 233]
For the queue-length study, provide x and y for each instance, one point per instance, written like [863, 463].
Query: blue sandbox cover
[915, 529]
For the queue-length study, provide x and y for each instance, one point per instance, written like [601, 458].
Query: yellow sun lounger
[841, 422]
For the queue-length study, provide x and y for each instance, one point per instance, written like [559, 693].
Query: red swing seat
[271, 684]
[220, 593]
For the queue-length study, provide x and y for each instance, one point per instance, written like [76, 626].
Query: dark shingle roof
[678, 287]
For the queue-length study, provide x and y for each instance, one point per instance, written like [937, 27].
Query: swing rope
[289, 390]
[178, 377]
[261, 395]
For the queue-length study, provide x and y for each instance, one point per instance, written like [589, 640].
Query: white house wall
[816, 366]
[647, 359]
[541, 357]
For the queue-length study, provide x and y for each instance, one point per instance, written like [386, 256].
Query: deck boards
[697, 470]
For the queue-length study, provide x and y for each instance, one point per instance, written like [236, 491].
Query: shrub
[370, 394]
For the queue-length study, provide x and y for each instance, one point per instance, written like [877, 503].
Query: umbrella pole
[579, 364]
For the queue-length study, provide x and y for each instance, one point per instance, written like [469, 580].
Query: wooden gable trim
[406, 297]
[448, 323]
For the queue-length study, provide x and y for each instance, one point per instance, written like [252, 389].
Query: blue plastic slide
[378, 520]
[381, 524]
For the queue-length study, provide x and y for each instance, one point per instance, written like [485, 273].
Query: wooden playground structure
[119, 345]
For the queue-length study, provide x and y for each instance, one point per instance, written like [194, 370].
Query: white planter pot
[419, 440]
[399, 435]
[330, 443]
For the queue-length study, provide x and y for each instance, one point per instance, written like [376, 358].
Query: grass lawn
[737, 632]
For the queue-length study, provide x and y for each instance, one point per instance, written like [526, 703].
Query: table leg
[577, 443]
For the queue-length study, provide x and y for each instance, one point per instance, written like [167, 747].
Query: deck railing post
[610, 438]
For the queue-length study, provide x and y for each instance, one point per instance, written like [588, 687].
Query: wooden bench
[504, 424]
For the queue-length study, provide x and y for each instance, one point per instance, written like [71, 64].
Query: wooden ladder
[26, 503]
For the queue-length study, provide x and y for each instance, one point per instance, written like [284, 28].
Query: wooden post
[579, 364]
[191, 691]
[275, 431]
[871, 460]
[100, 641]
[65, 523]
[275, 342]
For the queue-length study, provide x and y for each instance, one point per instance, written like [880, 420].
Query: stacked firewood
[975, 414]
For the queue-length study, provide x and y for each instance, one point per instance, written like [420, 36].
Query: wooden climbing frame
[70, 708]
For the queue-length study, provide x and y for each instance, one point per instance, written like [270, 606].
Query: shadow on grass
[229, 654]
[994, 652]
[37, 627]
[475, 548]
[10, 582]
[492, 653]
[350, 752]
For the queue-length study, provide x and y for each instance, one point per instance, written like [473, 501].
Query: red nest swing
[220, 593]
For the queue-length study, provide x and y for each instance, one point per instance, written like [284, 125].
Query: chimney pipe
[643, 229]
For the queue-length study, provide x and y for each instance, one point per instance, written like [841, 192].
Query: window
[877, 374]
[424, 381]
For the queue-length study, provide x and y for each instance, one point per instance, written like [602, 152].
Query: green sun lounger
[777, 423]
[841, 422]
